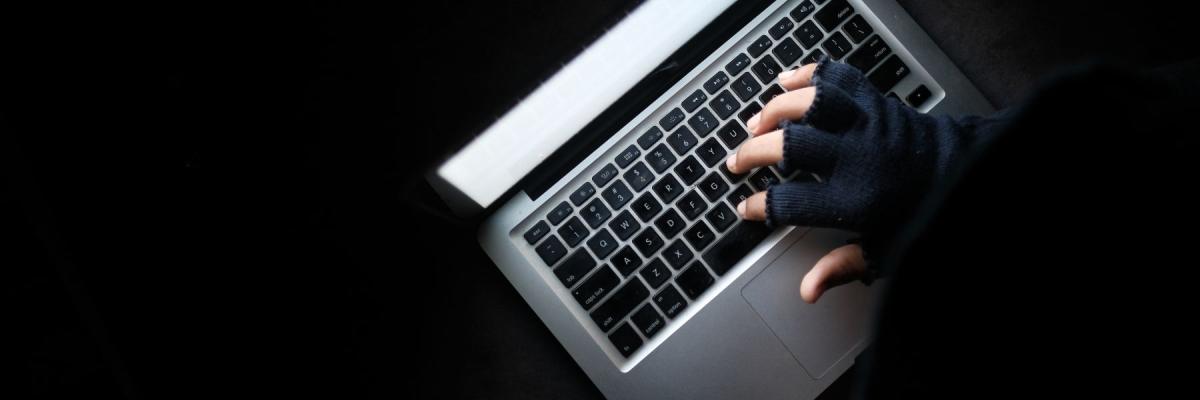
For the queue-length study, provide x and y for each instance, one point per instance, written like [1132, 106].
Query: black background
[209, 199]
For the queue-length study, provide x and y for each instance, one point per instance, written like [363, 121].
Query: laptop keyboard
[655, 227]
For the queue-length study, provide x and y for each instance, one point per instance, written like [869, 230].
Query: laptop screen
[516, 143]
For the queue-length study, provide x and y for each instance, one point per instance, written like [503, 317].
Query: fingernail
[731, 161]
[742, 209]
[752, 123]
[785, 74]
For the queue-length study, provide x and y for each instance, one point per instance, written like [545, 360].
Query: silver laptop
[604, 200]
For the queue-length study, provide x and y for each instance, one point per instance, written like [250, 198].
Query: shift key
[622, 302]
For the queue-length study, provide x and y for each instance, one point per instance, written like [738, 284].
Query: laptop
[603, 198]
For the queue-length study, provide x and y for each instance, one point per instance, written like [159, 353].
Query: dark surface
[220, 199]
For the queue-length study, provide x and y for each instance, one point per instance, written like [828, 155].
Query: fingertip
[731, 163]
[741, 209]
[752, 123]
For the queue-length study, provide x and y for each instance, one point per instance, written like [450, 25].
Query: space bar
[734, 246]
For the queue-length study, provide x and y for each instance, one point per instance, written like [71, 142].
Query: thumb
[842, 265]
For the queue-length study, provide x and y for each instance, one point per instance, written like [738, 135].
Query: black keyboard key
[833, 14]
[620, 304]
[732, 135]
[639, 177]
[703, 122]
[574, 268]
[837, 46]
[724, 104]
[721, 217]
[672, 119]
[888, 74]
[803, 10]
[589, 293]
[694, 280]
[649, 138]
[763, 179]
[626, 340]
[813, 57]
[682, 140]
[582, 194]
[692, 205]
[857, 29]
[689, 170]
[678, 254]
[759, 46]
[648, 242]
[766, 69]
[539, 230]
[730, 175]
[746, 87]
[771, 92]
[787, 51]
[781, 28]
[604, 175]
[656, 273]
[735, 245]
[869, 54]
[626, 261]
[617, 195]
[660, 158]
[748, 112]
[648, 320]
[809, 34]
[668, 188]
[919, 96]
[628, 156]
[718, 81]
[595, 213]
[699, 236]
[602, 244]
[558, 214]
[624, 225]
[646, 207]
[739, 195]
[711, 152]
[670, 223]
[694, 101]
[573, 231]
[738, 64]
[670, 301]
[713, 187]
[551, 250]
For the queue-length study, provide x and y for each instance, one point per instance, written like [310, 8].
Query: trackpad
[818, 335]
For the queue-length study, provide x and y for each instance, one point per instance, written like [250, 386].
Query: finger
[754, 208]
[797, 78]
[756, 152]
[842, 265]
[791, 105]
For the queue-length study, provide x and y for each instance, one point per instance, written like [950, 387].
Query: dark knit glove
[878, 156]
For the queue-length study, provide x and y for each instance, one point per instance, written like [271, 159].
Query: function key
[803, 10]
[715, 83]
[672, 119]
[695, 100]
[582, 194]
[605, 175]
[651, 136]
[781, 28]
[759, 46]
[738, 64]
[628, 156]
[558, 214]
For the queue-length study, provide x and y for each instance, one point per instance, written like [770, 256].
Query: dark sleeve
[878, 157]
